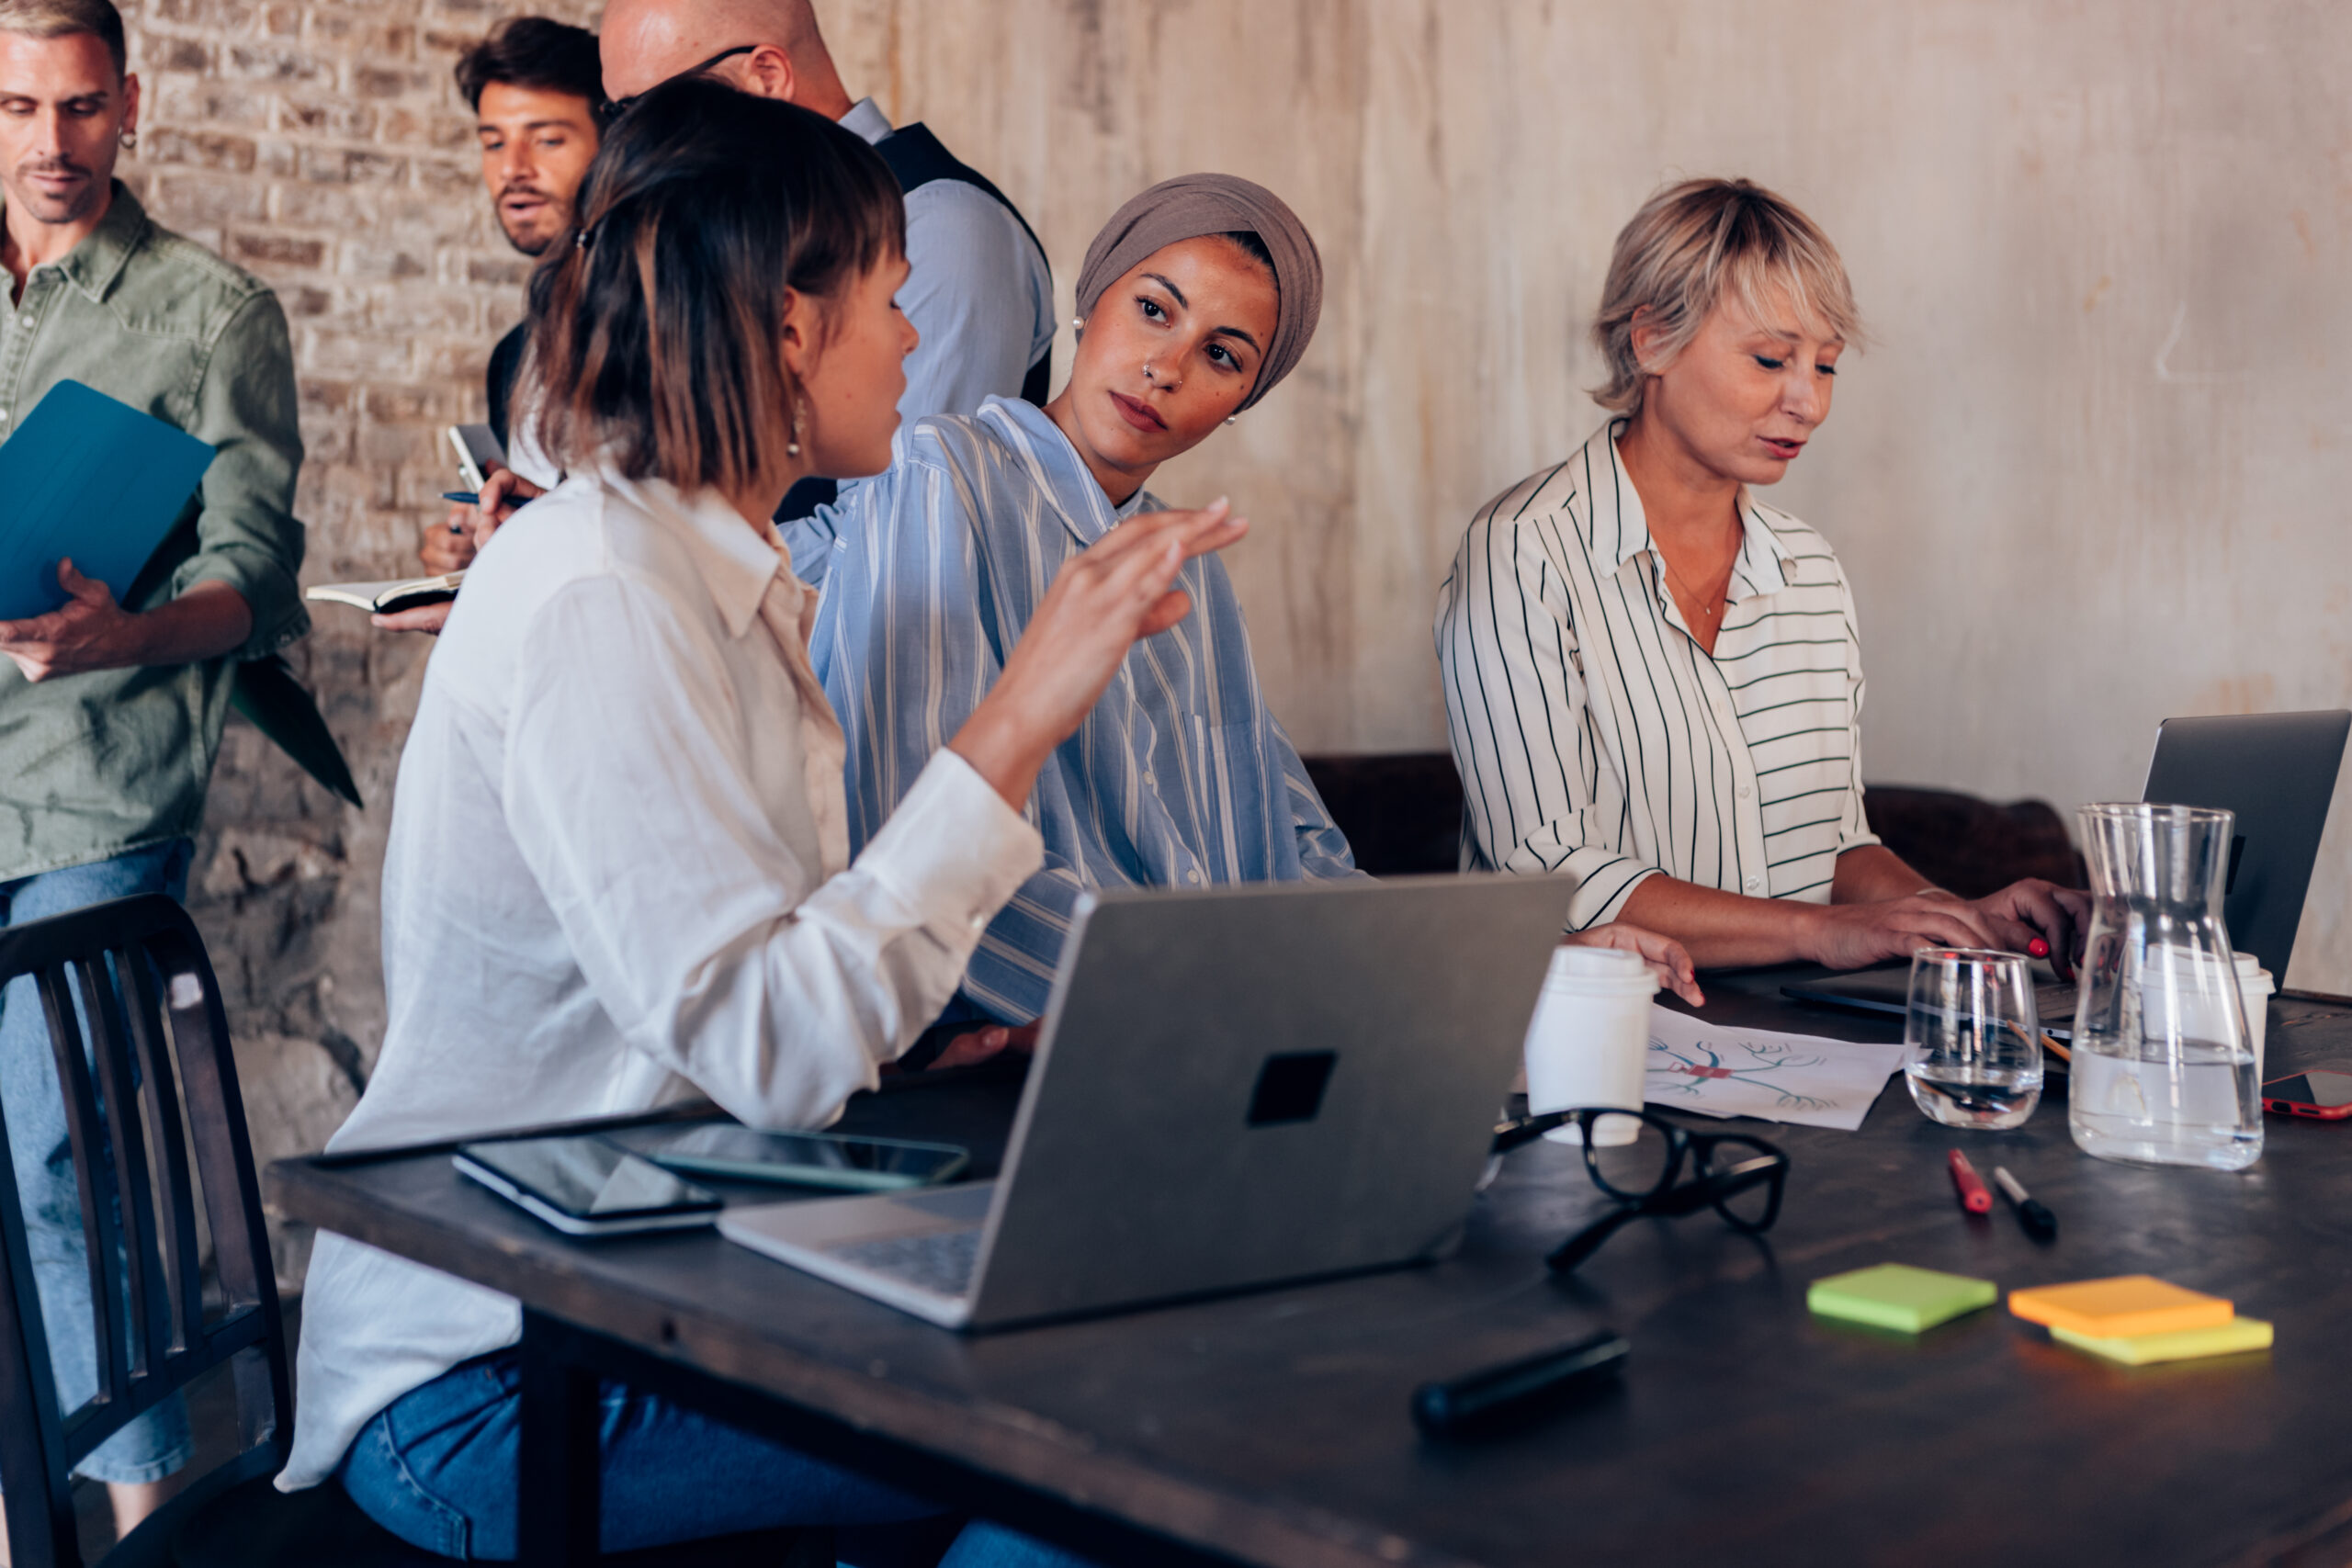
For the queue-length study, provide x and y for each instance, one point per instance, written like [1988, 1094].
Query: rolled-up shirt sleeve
[1516, 714]
[246, 533]
[716, 951]
[1323, 853]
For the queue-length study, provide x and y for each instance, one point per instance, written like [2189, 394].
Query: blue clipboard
[88, 476]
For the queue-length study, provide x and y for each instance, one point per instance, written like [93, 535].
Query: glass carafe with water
[2163, 1071]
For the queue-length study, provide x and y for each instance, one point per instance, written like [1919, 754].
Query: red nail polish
[2037, 948]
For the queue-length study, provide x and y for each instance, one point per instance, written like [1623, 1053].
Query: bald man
[977, 288]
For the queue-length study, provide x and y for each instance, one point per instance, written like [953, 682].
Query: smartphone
[2321, 1093]
[587, 1186]
[478, 453]
[806, 1159]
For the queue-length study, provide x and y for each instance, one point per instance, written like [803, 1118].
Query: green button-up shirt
[93, 765]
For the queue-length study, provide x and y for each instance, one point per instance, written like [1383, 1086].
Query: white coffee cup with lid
[1589, 1042]
[2255, 985]
[2174, 985]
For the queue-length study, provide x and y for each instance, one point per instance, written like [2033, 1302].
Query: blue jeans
[155, 1444]
[438, 1468]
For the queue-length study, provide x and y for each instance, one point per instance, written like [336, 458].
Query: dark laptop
[2276, 772]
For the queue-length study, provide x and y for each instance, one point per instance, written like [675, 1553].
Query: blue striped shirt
[1178, 778]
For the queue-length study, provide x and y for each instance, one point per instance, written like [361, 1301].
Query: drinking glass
[1976, 1039]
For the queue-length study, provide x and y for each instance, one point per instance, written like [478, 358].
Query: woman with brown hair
[619, 871]
[1653, 680]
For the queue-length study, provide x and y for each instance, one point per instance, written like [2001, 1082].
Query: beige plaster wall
[2094, 470]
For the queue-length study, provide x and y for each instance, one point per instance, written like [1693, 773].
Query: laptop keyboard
[941, 1263]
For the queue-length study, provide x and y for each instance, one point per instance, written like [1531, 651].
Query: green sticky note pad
[2182, 1345]
[1897, 1296]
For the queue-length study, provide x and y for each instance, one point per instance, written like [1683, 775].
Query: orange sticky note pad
[2126, 1305]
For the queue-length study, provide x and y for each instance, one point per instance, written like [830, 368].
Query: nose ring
[1148, 378]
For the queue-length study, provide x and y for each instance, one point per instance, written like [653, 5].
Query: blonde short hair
[63, 18]
[1690, 245]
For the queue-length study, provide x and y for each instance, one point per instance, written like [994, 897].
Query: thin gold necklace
[1711, 609]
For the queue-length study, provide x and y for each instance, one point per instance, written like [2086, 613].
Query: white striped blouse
[1597, 740]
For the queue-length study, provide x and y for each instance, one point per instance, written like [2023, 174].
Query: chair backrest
[136, 1028]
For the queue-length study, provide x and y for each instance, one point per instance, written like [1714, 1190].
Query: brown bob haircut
[656, 325]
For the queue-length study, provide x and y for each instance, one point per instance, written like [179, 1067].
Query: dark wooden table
[1271, 1427]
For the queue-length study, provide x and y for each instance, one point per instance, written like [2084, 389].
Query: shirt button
[1194, 876]
[1746, 790]
[1753, 882]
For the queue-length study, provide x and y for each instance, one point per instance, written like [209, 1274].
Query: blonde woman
[1653, 680]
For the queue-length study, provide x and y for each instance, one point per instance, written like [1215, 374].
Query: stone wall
[324, 147]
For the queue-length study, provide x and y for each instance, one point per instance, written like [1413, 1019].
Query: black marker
[1463, 1404]
[2037, 1220]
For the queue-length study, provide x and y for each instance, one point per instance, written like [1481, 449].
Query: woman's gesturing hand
[1102, 601]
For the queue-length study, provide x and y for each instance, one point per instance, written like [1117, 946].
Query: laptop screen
[2277, 773]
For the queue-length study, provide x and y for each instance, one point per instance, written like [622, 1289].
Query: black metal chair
[134, 976]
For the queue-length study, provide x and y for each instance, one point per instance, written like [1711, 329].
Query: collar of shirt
[737, 563]
[1757, 570]
[94, 266]
[867, 119]
[1069, 485]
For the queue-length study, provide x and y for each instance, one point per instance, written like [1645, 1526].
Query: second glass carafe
[2162, 1072]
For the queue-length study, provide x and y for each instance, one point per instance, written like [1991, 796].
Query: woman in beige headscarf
[1196, 300]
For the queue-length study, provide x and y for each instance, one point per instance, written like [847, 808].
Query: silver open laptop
[1234, 1087]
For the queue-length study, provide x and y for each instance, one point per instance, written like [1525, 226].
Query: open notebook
[390, 598]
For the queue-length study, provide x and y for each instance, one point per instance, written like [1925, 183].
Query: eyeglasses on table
[1739, 1175]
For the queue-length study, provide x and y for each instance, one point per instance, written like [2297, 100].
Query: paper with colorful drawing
[1803, 1079]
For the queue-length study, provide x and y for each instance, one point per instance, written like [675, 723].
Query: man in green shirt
[110, 713]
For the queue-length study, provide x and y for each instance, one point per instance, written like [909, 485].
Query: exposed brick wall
[324, 147]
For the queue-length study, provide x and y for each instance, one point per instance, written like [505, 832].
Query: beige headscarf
[1193, 205]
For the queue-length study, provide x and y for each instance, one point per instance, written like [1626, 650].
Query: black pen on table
[2032, 1214]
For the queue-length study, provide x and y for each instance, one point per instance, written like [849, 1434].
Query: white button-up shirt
[618, 874]
[1598, 740]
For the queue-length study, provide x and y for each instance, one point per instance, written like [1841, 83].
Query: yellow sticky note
[2184, 1345]
[2120, 1308]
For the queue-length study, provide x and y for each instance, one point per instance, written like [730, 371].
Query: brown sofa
[1402, 812]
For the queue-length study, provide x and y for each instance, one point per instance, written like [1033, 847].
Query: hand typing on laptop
[1851, 935]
